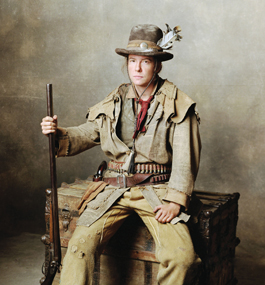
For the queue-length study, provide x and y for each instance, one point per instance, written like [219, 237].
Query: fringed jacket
[171, 137]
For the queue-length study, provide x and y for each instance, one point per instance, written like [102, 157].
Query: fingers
[163, 216]
[55, 119]
[49, 125]
[165, 213]
[157, 208]
[50, 119]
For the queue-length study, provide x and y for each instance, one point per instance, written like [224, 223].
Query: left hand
[165, 213]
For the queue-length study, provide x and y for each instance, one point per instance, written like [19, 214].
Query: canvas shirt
[172, 136]
[126, 122]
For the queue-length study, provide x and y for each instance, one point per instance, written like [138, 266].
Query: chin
[140, 83]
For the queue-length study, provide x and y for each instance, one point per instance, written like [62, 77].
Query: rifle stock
[54, 244]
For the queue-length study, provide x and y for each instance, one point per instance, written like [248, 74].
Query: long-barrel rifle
[54, 237]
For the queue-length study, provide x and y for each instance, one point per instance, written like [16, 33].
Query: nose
[138, 66]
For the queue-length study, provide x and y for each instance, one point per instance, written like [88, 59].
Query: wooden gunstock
[55, 245]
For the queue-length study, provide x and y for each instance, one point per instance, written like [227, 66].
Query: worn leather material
[136, 179]
[171, 137]
[92, 191]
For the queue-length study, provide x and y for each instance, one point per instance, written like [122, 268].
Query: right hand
[49, 125]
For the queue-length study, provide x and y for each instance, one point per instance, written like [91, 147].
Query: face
[141, 69]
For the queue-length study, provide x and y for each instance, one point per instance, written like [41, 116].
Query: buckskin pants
[174, 248]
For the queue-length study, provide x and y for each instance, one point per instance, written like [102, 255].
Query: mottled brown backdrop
[70, 43]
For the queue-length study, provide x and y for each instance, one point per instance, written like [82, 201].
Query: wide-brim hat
[143, 41]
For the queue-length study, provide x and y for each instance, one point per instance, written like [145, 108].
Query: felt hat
[145, 40]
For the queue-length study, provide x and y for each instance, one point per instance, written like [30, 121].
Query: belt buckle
[123, 179]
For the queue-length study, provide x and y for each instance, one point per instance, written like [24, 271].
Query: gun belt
[154, 168]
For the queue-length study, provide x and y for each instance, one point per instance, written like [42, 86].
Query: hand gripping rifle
[53, 240]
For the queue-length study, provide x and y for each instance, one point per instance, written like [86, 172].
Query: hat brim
[162, 56]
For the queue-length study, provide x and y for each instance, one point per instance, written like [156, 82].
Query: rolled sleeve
[177, 197]
[62, 142]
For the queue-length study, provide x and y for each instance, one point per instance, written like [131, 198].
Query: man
[149, 131]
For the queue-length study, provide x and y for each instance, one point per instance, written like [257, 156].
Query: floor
[22, 257]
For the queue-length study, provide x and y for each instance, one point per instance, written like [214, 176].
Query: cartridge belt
[144, 168]
[123, 181]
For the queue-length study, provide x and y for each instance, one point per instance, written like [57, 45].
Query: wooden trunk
[214, 236]
[129, 258]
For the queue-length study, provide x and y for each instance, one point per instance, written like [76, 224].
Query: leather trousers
[174, 248]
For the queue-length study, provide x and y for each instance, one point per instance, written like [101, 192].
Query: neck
[148, 92]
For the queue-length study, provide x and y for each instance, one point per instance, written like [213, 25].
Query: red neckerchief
[141, 118]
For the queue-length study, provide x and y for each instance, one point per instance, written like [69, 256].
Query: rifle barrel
[54, 196]
[55, 245]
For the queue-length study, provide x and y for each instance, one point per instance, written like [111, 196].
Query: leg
[174, 248]
[87, 244]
